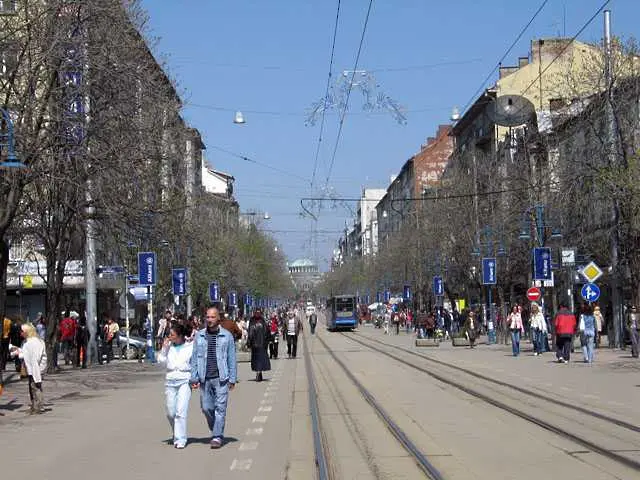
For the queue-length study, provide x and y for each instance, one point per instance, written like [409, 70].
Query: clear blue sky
[272, 58]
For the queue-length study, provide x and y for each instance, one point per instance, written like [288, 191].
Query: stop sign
[534, 294]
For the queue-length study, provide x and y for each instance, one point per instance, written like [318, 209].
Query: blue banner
[147, 269]
[248, 300]
[233, 299]
[367, 299]
[438, 286]
[378, 297]
[406, 293]
[179, 283]
[489, 271]
[542, 263]
[387, 296]
[214, 292]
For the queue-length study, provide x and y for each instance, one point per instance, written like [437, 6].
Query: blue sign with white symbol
[179, 277]
[367, 299]
[387, 296]
[147, 269]
[248, 300]
[214, 291]
[489, 271]
[378, 297]
[542, 263]
[406, 293]
[590, 292]
[438, 286]
[233, 299]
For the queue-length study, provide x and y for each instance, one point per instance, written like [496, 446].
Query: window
[8, 7]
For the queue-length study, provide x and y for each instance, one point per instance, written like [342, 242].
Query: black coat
[258, 341]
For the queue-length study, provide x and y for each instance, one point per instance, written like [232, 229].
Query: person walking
[633, 322]
[258, 343]
[293, 329]
[565, 326]
[587, 329]
[274, 332]
[516, 327]
[214, 371]
[34, 356]
[539, 327]
[111, 329]
[41, 326]
[176, 353]
[67, 336]
[471, 328]
[313, 321]
[597, 314]
[82, 341]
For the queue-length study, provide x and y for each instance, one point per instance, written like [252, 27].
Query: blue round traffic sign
[590, 292]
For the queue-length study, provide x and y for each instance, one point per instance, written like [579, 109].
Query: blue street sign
[110, 269]
[406, 293]
[147, 269]
[489, 271]
[438, 286]
[214, 291]
[590, 292]
[179, 281]
[378, 297]
[248, 300]
[542, 263]
[233, 299]
[387, 296]
[367, 299]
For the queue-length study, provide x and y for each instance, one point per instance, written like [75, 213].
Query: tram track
[627, 462]
[321, 446]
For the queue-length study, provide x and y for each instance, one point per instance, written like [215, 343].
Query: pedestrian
[4, 345]
[111, 329]
[313, 321]
[164, 323]
[471, 328]
[34, 356]
[516, 327]
[274, 333]
[539, 327]
[41, 326]
[233, 328]
[633, 322]
[67, 328]
[213, 370]
[565, 326]
[258, 343]
[597, 314]
[293, 328]
[176, 353]
[587, 329]
[82, 341]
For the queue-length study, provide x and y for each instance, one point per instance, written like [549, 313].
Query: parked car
[137, 345]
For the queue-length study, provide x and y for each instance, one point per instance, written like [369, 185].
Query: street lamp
[7, 141]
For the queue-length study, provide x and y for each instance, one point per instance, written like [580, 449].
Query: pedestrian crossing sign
[591, 272]
[27, 281]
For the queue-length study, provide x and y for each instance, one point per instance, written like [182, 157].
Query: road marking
[265, 409]
[245, 446]
[266, 401]
[241, 464]
[255, 431]
[269, 394]
[260, 419]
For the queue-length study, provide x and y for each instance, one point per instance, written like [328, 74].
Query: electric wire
[326, 94]
[346, 103]
[513, 44]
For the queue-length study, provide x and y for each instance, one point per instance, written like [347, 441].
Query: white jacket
[178, 360]
[34, 354]
[537, 321]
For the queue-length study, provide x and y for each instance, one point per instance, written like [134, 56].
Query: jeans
[587, 349]
[538, 341]
[292, 345]
[177, 401]
[515, 342]
[213, 401]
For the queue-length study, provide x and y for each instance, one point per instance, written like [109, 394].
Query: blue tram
[342, 312]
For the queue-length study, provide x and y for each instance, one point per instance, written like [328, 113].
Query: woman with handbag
[514, 322]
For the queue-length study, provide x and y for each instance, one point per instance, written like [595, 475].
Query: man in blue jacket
[213, 370]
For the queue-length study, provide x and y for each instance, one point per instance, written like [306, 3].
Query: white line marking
[269, 394]
[245, 446]
[255, 431]
[241, 464]
[266, 401]
[265, 409]
[260, 419]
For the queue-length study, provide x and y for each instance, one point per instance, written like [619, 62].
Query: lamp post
[489, 271]
[7, 141]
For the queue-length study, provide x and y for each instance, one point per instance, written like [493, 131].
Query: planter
[460, 341]
[427, 342]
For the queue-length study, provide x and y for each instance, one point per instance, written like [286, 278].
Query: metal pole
[150, 349]
[126, 304]
[91, 282]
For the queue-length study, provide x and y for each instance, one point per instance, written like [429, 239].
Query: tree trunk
[4, 262]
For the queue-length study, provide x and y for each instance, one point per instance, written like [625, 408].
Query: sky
[270, 60]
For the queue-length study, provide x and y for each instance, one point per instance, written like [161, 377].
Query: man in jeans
[293, 329]
[213, 370]
[565, 327]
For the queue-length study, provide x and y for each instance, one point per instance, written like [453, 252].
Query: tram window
[344, 304]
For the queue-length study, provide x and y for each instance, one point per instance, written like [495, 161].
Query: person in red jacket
[565, 327]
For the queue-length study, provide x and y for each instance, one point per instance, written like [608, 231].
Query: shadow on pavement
[11, 406]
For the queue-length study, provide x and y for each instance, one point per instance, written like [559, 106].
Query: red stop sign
[534, 294]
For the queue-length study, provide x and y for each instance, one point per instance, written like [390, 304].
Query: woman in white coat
[34, 356]
[539, 327]
[176, 353]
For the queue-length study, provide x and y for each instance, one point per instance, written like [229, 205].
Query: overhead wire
[513, 44]
[350, 87]
[326, 94]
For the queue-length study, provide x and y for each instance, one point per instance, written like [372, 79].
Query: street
[109, 420]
